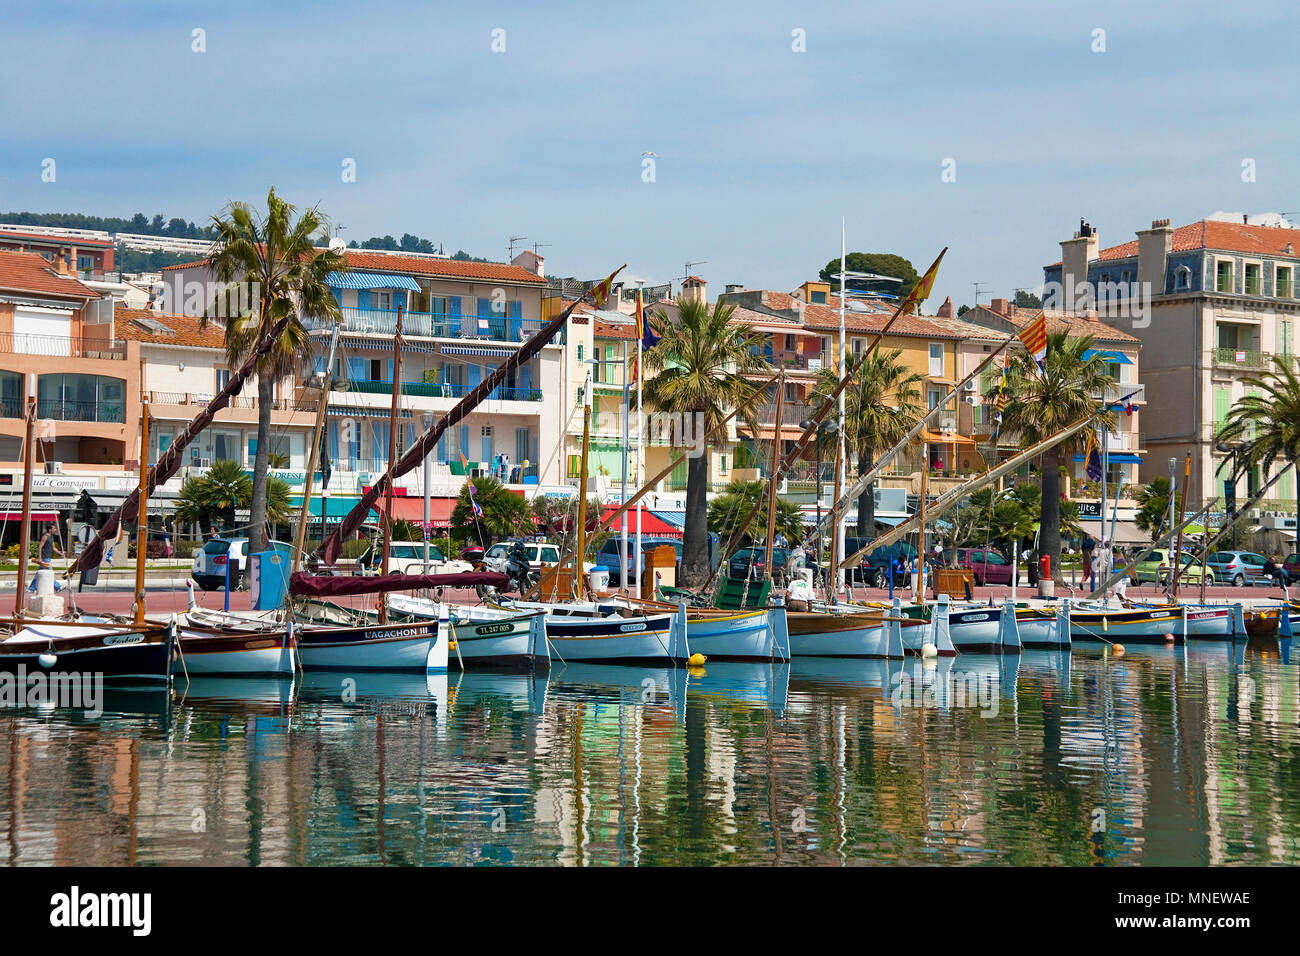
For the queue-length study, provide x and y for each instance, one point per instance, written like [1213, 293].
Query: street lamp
[829, 428]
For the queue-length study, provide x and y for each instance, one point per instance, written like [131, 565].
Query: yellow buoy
[1119, 650]
[696, 660]
[451, 645]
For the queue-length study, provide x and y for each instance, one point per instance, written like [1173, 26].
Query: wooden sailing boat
[119, 652]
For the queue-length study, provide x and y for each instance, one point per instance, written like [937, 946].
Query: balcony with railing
[1241, 358]
[248, 402]
[438, 390]
[792, 413]
[59, 346]
[71, 411]
[495, 327]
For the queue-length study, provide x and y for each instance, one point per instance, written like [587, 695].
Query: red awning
[651, 524]
[412, 509]
[36, 516]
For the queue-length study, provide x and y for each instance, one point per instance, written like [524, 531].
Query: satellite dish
[338, 244]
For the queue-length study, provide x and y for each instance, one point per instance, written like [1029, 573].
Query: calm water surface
[1163, 756]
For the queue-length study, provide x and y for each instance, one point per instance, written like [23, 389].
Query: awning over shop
[651, 523]
[412, 509]
[475, 350]
[36, 516]
[1118, 458]
[1126, 532]
[336, 506]
[371, 280]
[940, 438]
[1119, 358]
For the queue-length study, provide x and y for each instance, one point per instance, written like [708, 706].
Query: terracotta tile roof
[367, 260]
[825, 317]
[57, 239]
[186, 329]
[1212, 234]
[29, 272]
[967, 330]
[1075, 325]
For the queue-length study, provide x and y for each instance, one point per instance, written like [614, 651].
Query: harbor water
[1161, 756]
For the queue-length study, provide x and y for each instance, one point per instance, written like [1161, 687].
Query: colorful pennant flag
[600, 291]
[478, 512]
[1034, 335]
[921, 291]
[1093, 456]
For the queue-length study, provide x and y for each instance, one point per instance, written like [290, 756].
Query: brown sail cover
[307, 585]
[170, 461]
[424, 445]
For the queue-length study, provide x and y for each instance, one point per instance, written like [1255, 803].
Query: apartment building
[83, 256]
[1211, 302]
[460, 320]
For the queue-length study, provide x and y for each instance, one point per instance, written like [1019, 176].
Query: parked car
[608, 555]
[1155, 567]
[986, 565]
[1190, 574]
[753, 562]
[1292, 566]
[407, 557]
[1238, 568]
[873, 568]
[211, 561]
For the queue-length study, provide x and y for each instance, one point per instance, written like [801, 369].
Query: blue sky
[760, 150]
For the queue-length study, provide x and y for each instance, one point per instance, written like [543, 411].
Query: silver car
[1239, 568]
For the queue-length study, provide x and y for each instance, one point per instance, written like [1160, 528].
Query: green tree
[1042, 403]
[1027, 300]
[505, 514]
[222, 490]
[698, 368]
[962, 309]
[730, 508]
[1153, 504]
[881, 404]
[876, 263]
[271, 257]
[1268, 422]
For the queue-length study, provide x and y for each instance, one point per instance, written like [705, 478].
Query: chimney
[531, 261]
[61, 265]
[945, 310]
[1076, 253]
[1000, 306]
[734, 287]
[1154, 246]
[694, 290]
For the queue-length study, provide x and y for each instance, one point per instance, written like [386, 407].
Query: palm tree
[505, 514]
[1267, 422]
[222, 490]
[728, 509]
[272, 258]
[1041, 403]
[698, 369]
[881, 404]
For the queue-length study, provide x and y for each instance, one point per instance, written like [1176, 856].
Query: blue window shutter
[515, 333]
[390, 371]
[484, 308]
[356, 369]
[442, 448]
[473, 376]
[516, 309]
[464, 440]
[334, 440]
[453, 305]
[363, 298]
[525, 376]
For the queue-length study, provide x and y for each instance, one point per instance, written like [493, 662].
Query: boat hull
[733, 637]
[506, 642]
[236, 653]
[1135, 625]
[1210, 622]
[120, 657]
[817, 634]
[976, 630]
[1039, 630]
[613, 640]
[402, 647]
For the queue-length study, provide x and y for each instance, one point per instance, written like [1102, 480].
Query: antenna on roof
[540, 245]
[686, 270]
[513, 240]
[977, 286]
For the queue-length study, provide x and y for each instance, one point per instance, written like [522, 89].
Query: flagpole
[640, 436]
[622, 491]
[841, 472]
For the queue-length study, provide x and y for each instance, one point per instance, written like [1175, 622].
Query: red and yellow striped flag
[1034, 335]
[921, 291]
[600, 291]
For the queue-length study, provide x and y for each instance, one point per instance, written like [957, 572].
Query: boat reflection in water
[608, 683]
[748, 682]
